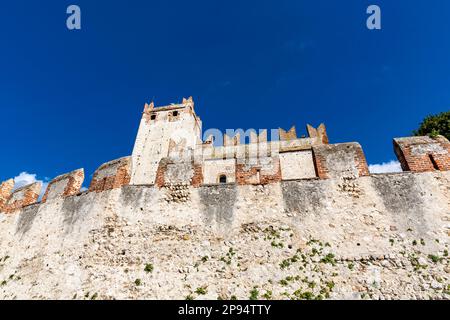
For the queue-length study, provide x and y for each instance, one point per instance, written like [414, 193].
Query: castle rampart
[306, 217]
[169, 150]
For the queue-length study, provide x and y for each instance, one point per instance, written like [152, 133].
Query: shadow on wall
[218, 203]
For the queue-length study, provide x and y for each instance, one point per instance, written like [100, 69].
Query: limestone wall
[378, 236]
[158, 129]
[297, 165]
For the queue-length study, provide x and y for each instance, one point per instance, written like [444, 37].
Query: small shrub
[137, 282]
[283, 282]
[148, 268]
[267, 295]
[330, 285]
[201, 291]
[434, 258]
[254, 294]
[276, 245]
[304, 295]
[329, 258]
[285, 264]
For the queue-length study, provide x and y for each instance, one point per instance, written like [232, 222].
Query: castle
[169, 150]
[180, 199]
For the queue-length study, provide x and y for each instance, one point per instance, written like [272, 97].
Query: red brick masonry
[23, 197]
[73, 180]
[248, 174]
[327, 156]
[422, 154]
[111, 175]
[5, 192]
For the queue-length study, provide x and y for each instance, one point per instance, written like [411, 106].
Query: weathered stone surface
[218, 203]
[295, 239]
[65, 185]
[23, 197]
[111, 175]
[5, 192]
[422, 154]
[340, 160]
[289, 219]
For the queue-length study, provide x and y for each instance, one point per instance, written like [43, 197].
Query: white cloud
[385, 167]
[25, 178]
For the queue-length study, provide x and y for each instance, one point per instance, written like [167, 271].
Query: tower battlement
[232, 217]
[169, 150]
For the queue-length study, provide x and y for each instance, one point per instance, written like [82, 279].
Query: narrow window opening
[153, 117]
[175, 113]
[435, 165]
[223, 179]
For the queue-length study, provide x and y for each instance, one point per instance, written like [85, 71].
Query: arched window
[223, 179]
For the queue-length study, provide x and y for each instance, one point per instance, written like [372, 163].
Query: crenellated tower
[161, 128]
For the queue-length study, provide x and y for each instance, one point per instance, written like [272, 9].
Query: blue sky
[72, 99]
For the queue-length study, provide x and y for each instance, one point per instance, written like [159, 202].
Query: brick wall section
[160, 181]
[23, 197]
[443, 160]
[422, 154]
[197, 179]
[246, 174]
[161, 172]
[340, 160]
[71, 182]
[5, 192]
[112, 175]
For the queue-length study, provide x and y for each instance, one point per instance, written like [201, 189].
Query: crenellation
[422, 154]
[65, 185]
[22, 197]
[288, 135]
[111, 175]
[231, 217]
[340, 160]
[320, 133]
[6, 189]
[169, 146]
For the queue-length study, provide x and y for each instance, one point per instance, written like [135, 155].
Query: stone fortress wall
[297, 218]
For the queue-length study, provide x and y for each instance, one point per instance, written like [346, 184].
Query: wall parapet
[5, 192]
[111, 175]
[340, 160]
[23, 197]
[422, 154]
[65, 185]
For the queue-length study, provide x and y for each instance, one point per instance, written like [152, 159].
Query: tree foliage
[434, 125]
